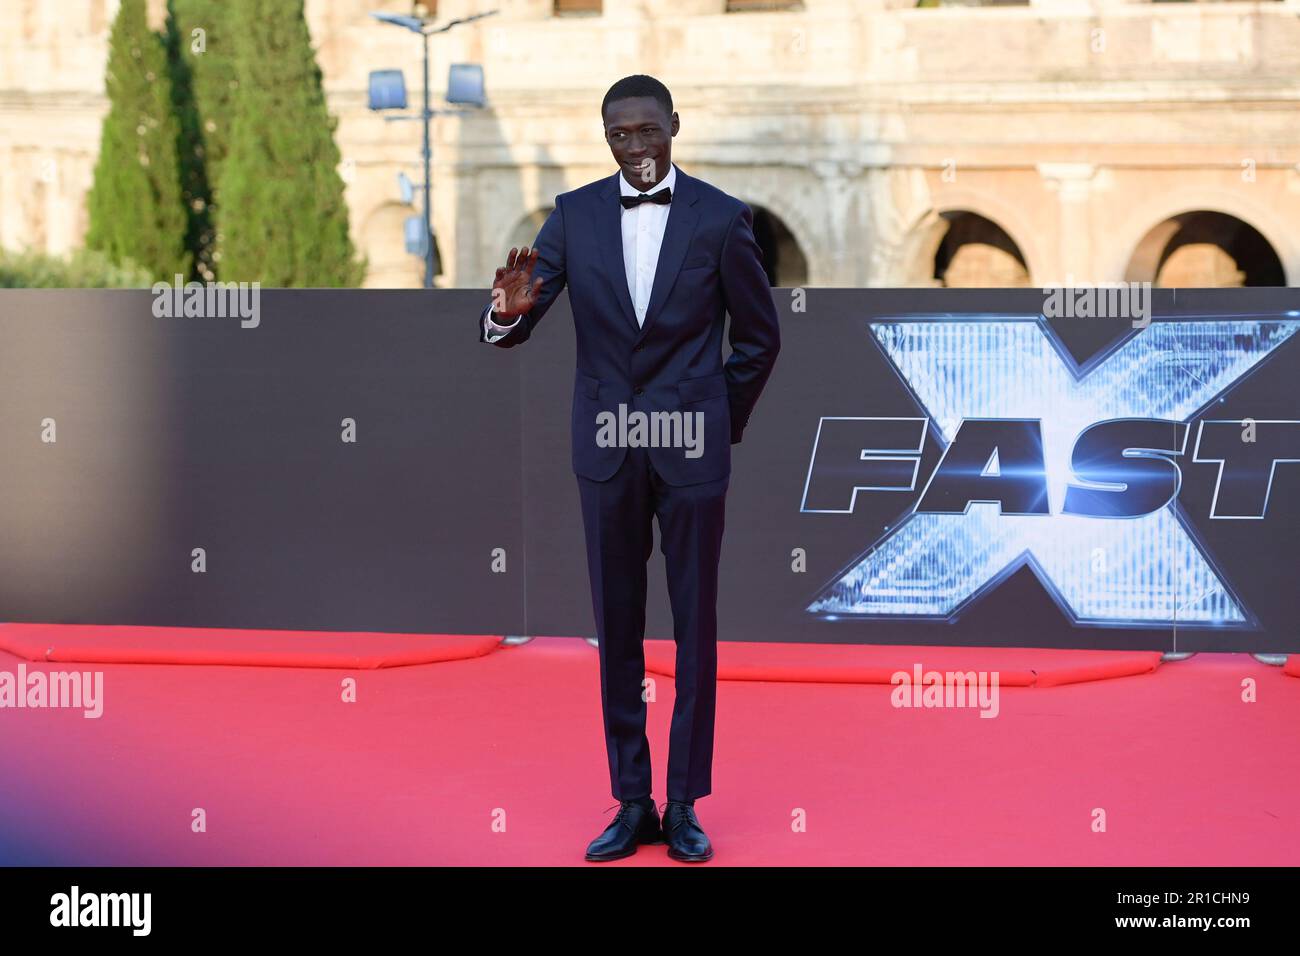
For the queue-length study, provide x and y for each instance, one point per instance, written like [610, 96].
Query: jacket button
[638, 391]
[638, 348]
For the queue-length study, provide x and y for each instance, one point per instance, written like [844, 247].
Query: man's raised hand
[514, 291]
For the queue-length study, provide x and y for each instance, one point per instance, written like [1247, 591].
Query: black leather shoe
[632, 825]
[686, 839]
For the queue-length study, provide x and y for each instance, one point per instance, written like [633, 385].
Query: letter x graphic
[1144, 571]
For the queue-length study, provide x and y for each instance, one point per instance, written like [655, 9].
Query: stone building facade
[879, 143]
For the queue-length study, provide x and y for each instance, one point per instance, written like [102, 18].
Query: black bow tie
[662, 198]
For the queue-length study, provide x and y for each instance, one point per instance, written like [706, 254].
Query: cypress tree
[281, 215]
[200, 48]
[135, 206]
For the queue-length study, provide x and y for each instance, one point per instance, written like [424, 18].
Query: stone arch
[525, 230]
[913, 260]
[976, 251]
[783, 258]
[390, 266]
[1003, 214]
[1142, 225]
[779, 195]
[1205, 248]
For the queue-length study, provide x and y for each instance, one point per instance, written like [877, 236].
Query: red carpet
[500, 759]
[872, 664]
[737, 660]
[111, 644]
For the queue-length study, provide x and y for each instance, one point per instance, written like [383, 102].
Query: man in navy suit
[653, 259]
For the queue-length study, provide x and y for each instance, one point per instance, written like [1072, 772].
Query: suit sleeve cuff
[495, 326]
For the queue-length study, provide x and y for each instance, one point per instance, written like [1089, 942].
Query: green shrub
[84, 269]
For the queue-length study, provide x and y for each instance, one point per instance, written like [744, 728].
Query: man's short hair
[638, 85]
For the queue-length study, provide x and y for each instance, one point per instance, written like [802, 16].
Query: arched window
[977, 252]
[1205, 249]
[785, 263]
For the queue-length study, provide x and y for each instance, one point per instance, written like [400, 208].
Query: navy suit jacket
[709, 266]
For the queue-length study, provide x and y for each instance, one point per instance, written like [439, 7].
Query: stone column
[1074, 264]
[839, 262]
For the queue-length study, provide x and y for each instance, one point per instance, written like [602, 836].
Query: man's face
[640, 135]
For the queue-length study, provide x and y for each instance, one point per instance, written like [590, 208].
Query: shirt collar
[627, 189]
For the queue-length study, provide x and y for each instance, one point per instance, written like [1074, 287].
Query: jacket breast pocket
[698, 389]
[697, 262]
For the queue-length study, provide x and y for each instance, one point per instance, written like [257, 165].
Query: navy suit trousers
[617, 515]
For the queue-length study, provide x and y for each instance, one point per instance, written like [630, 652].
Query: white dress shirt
[643, 234]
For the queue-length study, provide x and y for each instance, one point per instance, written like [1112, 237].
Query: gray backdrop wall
[183, 433]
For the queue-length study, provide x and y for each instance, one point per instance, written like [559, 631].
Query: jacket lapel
[609, 236]
[682, 218]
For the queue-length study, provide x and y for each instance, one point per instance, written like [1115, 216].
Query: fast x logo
[1073, 470]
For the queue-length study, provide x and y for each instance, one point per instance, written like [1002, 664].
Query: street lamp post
[428, 164]
[422, 25]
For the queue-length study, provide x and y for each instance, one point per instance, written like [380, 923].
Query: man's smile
[639, 165]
